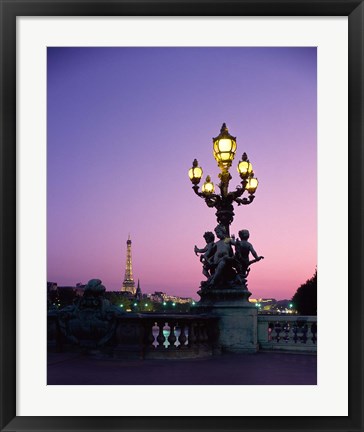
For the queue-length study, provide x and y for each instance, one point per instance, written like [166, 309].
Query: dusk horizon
[125, 124]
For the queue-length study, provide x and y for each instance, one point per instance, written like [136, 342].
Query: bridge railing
[287, 333]
[179, 336]
[148, 336]
[167, 336]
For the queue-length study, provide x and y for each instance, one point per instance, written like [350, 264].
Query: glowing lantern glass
[251, 185]
[195, 173]
[208, 187]
[224, 146]
[245, 168]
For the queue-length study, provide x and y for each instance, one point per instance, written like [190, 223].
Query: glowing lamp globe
[208, 187]
[245, 168]
[252, 184]
[224, 146]
[195, 173]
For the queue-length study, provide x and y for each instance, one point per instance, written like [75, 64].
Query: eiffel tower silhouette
[128, 283]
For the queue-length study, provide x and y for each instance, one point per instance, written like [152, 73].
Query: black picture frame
[10, 9]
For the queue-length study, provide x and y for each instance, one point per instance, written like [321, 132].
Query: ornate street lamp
[224, 149]
[208, 187]
[195, 173]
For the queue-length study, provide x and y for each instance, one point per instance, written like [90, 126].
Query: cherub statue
[242, 250]
[223, 254]
[207, 253]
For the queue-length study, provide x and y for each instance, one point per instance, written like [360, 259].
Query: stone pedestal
[238, 320]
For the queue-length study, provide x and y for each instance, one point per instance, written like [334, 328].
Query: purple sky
[124, 125]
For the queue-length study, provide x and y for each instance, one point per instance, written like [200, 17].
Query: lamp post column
[225, 293]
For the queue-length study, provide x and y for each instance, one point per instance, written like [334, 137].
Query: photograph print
[182, 215]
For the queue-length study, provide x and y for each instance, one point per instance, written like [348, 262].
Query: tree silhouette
[305, 298]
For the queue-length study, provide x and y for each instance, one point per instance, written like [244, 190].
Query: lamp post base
[238, 319]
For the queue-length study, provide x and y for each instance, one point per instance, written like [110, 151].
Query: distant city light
[173, 304]
[135, 304]
[121, 305]
[146, 304]
[164, 303]
[193, 303]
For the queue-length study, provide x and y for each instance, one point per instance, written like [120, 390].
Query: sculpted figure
[92, 320]
[242, 250]
[207, 253]
[223, 256]
[222, 268]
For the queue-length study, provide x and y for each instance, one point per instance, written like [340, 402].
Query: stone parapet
[287, 333]
[151, 336]
[237, 318]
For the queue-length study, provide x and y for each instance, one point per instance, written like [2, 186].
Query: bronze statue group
[222, 266]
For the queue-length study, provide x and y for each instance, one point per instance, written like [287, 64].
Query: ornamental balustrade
[163, 336]
[179, 336]
[146, 336]
[287, 333]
